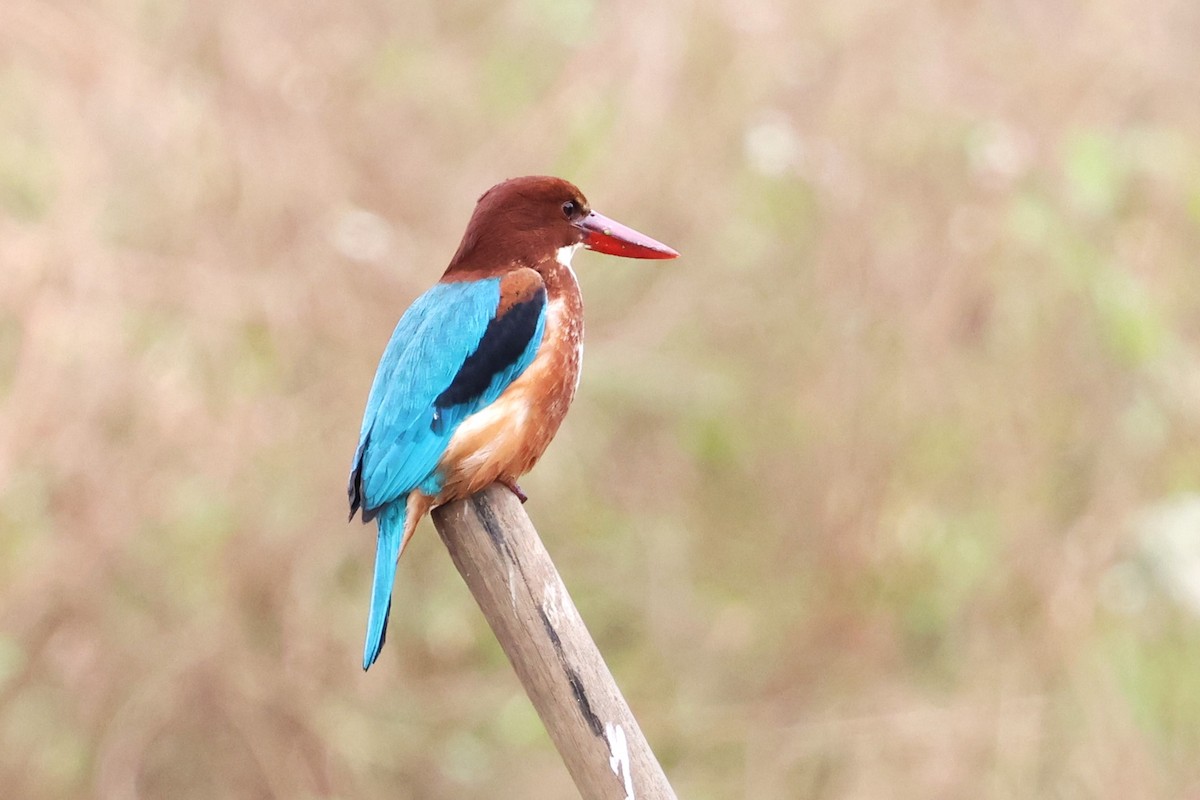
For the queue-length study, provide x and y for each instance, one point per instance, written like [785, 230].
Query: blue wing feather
[405, 430]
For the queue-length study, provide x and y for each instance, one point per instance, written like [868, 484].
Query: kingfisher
[481, 369]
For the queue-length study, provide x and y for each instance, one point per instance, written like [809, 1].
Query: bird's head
[529, 220]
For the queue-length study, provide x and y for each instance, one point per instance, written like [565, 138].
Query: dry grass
[849, 493]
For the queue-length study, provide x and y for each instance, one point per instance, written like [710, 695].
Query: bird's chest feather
[505, 439]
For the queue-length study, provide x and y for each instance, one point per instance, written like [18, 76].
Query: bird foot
[512, 485]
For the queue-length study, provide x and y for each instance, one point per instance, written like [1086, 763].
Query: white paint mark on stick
[618, 746]
[555, 601]
[558, 606]
[552, 602]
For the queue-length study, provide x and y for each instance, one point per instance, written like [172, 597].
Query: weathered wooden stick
[506, 567]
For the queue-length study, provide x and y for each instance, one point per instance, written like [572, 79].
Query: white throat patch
[563, 255]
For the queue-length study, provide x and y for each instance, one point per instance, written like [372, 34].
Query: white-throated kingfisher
[481, 368]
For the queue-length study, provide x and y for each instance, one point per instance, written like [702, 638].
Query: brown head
[526, 221]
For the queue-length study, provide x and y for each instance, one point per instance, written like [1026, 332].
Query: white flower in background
[773, 147]
[999, 153]
[1169, 544]
[362, 235]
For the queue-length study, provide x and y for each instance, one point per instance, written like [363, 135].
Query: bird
[481, 368]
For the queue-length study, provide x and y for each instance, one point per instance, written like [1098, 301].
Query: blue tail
[391, 535]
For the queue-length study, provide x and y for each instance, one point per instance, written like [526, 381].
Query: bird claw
[512, 486]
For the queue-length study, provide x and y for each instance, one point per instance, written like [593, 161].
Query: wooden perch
[506, 567]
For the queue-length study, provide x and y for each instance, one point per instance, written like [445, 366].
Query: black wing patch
[354, 488]
[502, 344]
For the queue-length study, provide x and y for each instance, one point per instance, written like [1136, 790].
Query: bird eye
[571, 209]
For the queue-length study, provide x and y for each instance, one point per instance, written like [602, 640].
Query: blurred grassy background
[886, 489]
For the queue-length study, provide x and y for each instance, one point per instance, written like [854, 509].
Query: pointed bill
[605, 235]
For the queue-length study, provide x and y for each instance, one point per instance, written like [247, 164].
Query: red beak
[609, 236]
